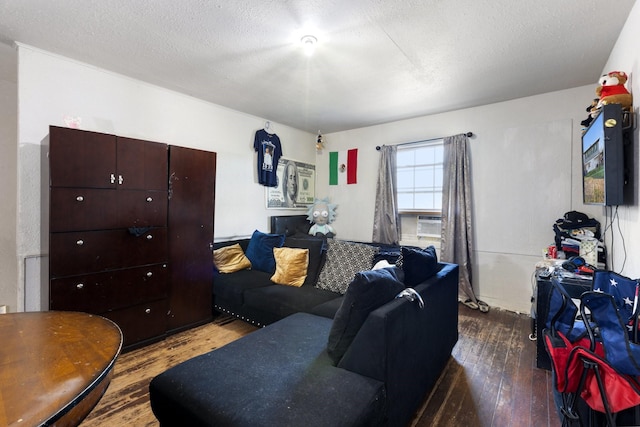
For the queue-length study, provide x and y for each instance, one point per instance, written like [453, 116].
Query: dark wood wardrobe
[131, 232]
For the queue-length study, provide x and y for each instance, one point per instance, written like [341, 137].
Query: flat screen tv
[603, 159]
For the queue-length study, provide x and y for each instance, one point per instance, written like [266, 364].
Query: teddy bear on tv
[611, 90]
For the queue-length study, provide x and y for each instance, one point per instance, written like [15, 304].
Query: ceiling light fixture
[309, 44]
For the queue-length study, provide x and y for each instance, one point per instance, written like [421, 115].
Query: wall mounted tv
[604, 172]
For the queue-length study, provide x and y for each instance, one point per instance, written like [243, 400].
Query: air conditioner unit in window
[428, 226]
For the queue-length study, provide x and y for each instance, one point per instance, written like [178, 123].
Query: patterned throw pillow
[344, 260]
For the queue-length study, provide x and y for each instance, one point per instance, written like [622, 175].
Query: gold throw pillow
[291, 266]
[230, 259]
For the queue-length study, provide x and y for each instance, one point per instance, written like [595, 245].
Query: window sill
[429, 213]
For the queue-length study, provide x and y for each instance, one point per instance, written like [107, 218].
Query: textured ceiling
[376, 60]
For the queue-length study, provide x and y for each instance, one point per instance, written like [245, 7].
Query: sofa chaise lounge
[372, 363]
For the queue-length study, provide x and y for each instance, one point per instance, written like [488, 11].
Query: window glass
[419, 176]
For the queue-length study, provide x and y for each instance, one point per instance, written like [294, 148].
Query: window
[419, 177]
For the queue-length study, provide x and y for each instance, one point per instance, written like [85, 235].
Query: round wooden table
[54, 366]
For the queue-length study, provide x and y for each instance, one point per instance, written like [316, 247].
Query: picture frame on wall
[296, 186]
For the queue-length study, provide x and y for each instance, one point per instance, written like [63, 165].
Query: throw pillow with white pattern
[344, 260]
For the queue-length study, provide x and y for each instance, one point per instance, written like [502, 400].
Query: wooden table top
[54, 366]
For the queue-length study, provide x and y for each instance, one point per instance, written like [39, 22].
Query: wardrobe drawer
[147, 248]
[83, 252]
[140, 208]
[97, 293]
[141, 322]
[84, 209]
[77, 209]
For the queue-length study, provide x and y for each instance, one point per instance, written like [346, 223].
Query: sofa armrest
[407, 347]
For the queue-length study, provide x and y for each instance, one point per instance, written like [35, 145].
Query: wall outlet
[4, 309]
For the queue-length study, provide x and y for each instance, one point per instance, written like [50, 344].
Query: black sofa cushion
[418, 264]
[232, 286]
[283, 300]
[368, 291]
[260, 250]
[276, 376]
[387, 252]
[327, 309]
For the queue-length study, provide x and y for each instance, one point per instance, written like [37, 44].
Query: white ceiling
[376, 60]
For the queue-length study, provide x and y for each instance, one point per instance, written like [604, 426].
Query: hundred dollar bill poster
[296, 186]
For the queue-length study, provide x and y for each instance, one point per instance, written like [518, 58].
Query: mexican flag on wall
[343, 167]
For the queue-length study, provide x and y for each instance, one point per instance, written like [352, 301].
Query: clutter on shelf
[578, 235]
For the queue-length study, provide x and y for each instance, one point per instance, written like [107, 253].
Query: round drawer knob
[149, 237]
[149, 199]
[80, 198]
[80, 285]
[80, 242]
[148, 310]
[149, 274]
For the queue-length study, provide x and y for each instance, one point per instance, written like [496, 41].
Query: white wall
[8, 172]
[525, 161]
[52, 87]
[626, 232]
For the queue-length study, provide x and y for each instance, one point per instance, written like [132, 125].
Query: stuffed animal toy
[613, 91]
[321, 214]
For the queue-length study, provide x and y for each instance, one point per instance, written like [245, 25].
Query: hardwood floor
[126, 402]
[490, 380]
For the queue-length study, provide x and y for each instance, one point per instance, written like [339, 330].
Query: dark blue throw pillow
[418, 265]
[260, 250]
[369, 290]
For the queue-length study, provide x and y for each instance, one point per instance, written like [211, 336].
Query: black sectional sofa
[253, 297]
[367, 357]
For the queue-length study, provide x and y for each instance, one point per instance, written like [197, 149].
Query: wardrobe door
[191, 216]
[81, 158]
[142, 164]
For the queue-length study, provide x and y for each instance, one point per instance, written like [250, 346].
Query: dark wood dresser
[110, 248]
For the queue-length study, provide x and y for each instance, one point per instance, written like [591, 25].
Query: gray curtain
[385, 220]
[457, 232]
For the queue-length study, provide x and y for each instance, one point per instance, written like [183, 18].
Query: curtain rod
[468, 134]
